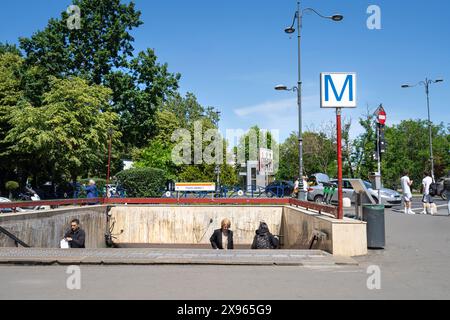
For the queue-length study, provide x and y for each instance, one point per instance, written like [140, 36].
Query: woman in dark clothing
[223, 238]
[264, 239]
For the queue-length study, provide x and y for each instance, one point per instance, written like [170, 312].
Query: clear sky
[232, 53]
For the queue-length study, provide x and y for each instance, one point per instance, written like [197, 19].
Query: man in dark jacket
[264, 239]
[75, 236]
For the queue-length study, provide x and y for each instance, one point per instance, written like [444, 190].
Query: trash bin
[374, 216]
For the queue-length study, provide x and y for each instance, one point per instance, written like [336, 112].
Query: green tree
[10, 95]
[137, 94]
[70, 130]
[9, 48]
[362, 157]
[104, 41]
[408, 149]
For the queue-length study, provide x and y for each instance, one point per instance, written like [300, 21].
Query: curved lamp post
[426, 84]
[298, 17]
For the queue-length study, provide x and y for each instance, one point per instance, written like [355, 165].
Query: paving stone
[170, 256]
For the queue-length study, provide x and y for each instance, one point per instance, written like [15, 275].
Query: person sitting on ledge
[75, 236]
[222, 239]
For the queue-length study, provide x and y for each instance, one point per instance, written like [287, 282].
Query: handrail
[321, 208]
[14, 238]
[23, 204]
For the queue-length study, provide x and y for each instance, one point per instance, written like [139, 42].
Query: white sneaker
[411, 212]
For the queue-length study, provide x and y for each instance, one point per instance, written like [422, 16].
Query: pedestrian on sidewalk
[295, 192]
[407, 195]
[427, 199]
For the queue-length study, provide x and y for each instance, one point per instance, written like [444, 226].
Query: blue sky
[232, 53]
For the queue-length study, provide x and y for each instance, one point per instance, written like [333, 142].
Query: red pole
[339, 159]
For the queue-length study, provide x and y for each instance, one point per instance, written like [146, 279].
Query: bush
[142, 182]
[11, 185]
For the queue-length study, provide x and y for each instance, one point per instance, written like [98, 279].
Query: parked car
[388, 197]
[440, 187]
[7, 210]
[280, 189]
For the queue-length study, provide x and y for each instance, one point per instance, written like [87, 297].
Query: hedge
[142, 182]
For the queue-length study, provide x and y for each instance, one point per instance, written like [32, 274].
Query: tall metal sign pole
[381, 145]
[339, 163]
[338, 90]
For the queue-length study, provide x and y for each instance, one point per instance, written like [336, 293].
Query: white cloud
[282, 115]
[267, 108]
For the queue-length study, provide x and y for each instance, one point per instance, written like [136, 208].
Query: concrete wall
[346, 237]
[191, 224]
[45, 229]
[181, 225]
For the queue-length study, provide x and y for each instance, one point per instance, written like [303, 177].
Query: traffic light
[382, 140]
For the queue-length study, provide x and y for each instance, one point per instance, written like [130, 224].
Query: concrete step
[33, 256]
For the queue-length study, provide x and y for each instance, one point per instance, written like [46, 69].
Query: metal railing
[320, 208]
[16, 240]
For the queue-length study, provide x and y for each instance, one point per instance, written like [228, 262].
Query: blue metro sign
[338, 90]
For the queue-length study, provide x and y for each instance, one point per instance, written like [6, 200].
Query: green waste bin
[374, 216]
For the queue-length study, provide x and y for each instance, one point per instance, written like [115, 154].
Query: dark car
[280, 189]
[440, 192]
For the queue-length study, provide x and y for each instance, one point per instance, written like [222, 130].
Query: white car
[7, 210]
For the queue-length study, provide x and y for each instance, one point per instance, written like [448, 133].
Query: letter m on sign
[338, 90]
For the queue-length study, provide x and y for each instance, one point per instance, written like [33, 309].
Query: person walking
[222, 239]
[305, 188]
[407, 195]
[427, 199]
[296, 184]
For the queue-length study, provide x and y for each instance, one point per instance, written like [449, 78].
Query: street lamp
[217, 169]
[426, 84]
[110, 133]
[298, 16]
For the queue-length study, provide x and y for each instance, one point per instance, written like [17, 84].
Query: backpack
[433, 189]
[263, 241]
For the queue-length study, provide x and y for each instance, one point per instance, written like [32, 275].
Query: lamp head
[289, 30]
[281, 87]
[405, 85]
[337, 17]
[438, 80]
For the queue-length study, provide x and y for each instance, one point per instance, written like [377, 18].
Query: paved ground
[414, 265]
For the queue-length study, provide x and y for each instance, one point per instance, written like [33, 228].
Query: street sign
[338, 90]
[198, 187]
[265, 161]
[381, 115]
